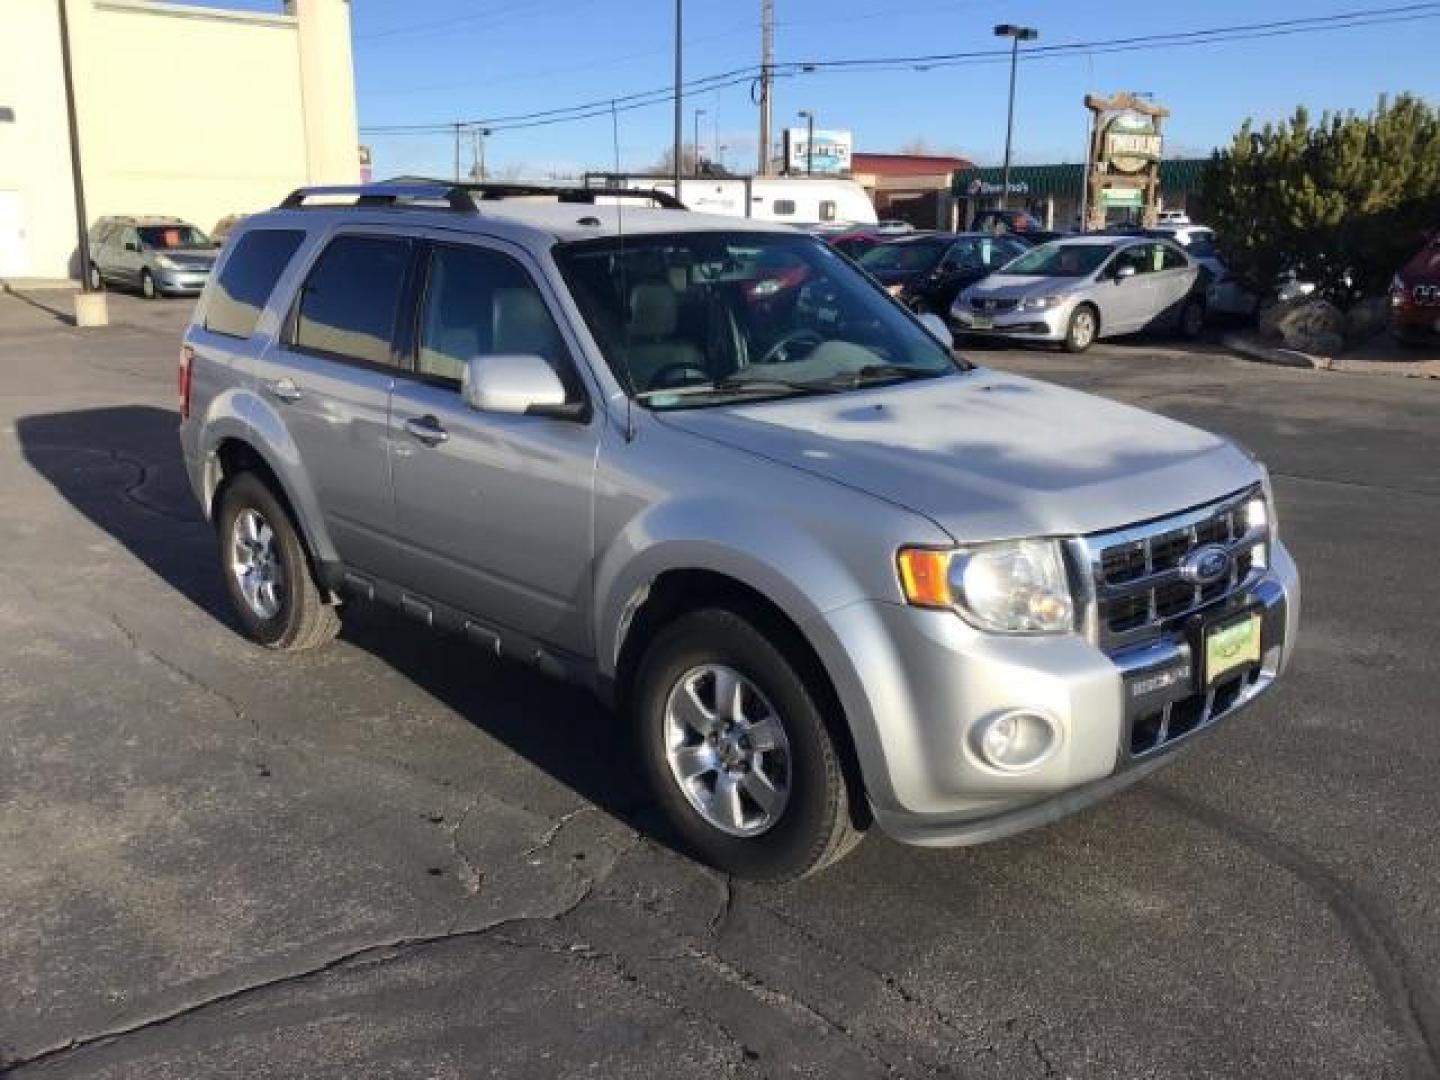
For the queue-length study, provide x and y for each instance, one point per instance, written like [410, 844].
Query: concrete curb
[1250, 349]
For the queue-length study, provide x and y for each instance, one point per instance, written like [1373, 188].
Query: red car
[1415, 296]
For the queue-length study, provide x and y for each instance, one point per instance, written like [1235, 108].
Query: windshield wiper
[733, 384]
[879, 373]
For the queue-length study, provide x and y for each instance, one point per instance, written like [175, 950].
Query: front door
[492, 511]
[1129, 303]
[328, 381]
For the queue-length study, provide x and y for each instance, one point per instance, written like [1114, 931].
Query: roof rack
[423, 194]
[382, 195]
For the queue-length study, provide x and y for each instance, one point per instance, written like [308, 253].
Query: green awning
[1177, 176]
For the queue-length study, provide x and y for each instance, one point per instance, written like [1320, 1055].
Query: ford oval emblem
[1205, 565]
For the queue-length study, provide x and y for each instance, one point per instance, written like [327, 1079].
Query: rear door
[127, 257]
[493, 512]
[329, 377]
[1174, 280]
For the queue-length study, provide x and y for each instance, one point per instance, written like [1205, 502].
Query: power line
[738, 76]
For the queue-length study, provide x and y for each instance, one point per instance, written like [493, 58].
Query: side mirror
[518, 384]
[937, 328]
[1125, 271]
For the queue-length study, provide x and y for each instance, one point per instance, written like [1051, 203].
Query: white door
[13, 261]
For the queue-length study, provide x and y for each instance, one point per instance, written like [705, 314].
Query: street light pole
[809, 116]
[698, 114]
[77, 175]
[1016, 34]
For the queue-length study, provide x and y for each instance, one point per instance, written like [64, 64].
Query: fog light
[1015, 741]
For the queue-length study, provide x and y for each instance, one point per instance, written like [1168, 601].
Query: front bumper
[1049, 325]
[186, 282]
[914, 682]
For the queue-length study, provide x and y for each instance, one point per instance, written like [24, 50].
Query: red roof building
[909, 187]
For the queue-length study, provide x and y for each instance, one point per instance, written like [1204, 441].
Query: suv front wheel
[266, 570]
[737, 751]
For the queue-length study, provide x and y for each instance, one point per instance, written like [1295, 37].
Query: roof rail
[398, 195]
[487, 192]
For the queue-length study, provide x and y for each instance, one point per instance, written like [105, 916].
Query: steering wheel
[780, 351]
[665, 378]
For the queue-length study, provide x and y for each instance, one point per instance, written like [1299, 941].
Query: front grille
[991, 303]
[1140, 583]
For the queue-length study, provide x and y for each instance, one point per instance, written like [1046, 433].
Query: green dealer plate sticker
[1230, 646]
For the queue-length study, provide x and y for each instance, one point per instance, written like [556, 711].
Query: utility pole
[458, 126]
[767, 60]
[1016, 34]
[698, 114]
[679, 100]
[90, 309]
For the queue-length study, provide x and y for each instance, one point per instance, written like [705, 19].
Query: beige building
[192, 111]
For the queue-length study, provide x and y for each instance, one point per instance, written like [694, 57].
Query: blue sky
[424, 61]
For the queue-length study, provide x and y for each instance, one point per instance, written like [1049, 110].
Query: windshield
[909, 256]
[172, 237]
[1061, 260]
[700, 318]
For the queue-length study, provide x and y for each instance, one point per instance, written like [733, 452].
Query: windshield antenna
[624, 287]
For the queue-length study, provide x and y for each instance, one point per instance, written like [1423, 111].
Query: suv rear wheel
[266, 570]
[737, 751]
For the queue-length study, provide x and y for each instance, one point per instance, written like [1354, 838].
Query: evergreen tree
[1343, 202]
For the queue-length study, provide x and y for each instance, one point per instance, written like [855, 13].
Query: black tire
[816, 826]
[97, 279]
[148, 288]
[1191, 323]
[1079, 335]
[303, 619]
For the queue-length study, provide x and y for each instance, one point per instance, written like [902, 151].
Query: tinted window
[784, 207]
[904, 256]
[1141, 256]
[244, 286]
[347, 307]
[1171, 259]
[479, 302]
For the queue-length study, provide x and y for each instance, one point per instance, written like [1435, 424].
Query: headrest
[521, 324]
[654, 310]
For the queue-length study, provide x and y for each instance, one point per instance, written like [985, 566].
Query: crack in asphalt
[471, 876]
[363, 955]
[131, 492]
[583, 952]
[1414, 1013]
[548, 837]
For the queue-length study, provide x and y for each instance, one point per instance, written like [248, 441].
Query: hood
[1010, 286]
[989, 456]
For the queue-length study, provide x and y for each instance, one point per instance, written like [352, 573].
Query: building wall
[34, 153]
[190, 111]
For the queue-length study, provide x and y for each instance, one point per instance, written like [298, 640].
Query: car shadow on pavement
[121, 468]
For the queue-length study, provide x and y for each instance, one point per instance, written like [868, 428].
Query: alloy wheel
[727, 750]
[256, 564]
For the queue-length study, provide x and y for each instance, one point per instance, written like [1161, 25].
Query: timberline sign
[1131, 144]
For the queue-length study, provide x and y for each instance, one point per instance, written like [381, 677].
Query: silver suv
[831, 574]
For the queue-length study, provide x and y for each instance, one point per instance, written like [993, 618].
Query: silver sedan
[1078, 290]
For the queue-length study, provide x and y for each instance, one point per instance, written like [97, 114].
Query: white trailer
[823, 201]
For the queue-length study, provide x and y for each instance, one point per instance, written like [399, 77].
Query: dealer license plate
[1231, 645]
[982, 322]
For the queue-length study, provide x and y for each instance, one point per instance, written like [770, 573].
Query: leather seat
[654, 344]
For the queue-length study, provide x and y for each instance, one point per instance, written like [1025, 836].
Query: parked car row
[153, 254]
[1415, 296]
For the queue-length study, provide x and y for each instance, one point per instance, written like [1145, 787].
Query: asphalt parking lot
[396, 857]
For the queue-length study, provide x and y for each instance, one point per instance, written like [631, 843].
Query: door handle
[427, 430]
[283, 389]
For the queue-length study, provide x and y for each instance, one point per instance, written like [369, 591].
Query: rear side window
[243, 288]
[784, 207]
[348, 304]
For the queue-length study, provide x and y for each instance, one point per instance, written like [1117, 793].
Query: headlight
[166, 263]
[1041, 303]
[1014, 587]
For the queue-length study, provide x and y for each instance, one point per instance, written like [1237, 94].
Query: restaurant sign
[1131, 144]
